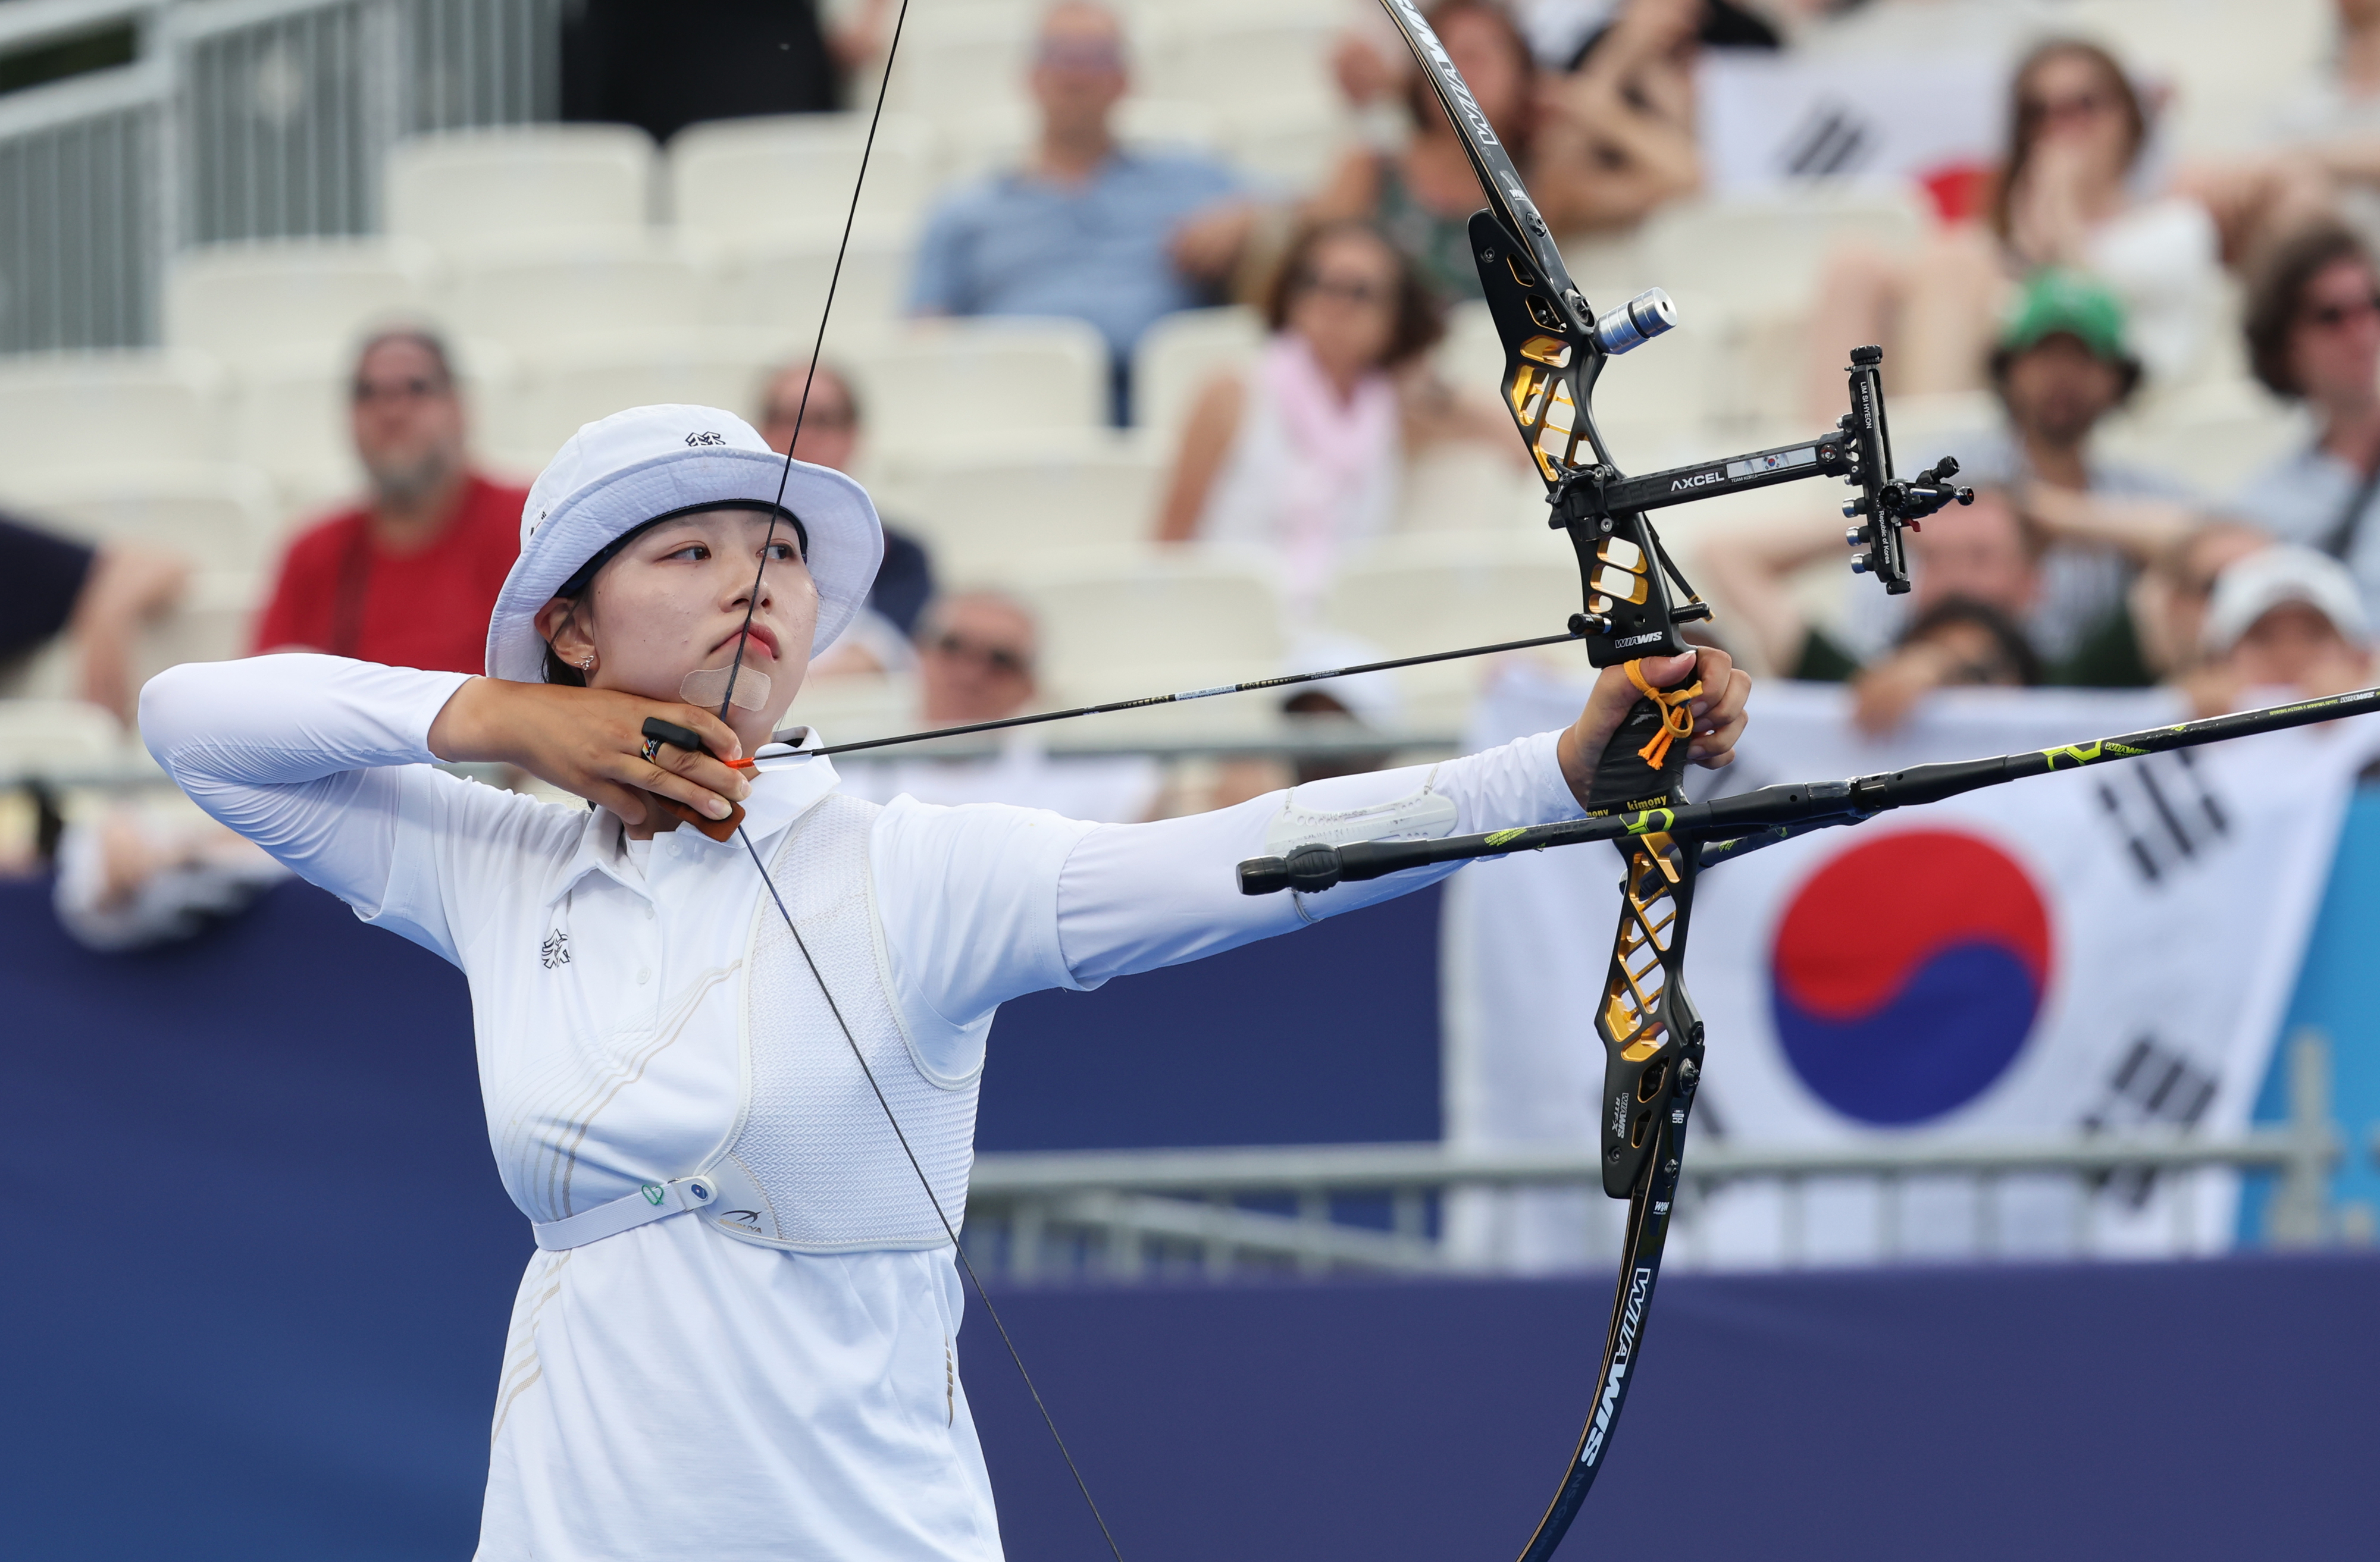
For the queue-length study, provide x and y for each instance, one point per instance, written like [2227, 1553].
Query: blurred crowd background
[1157, 338]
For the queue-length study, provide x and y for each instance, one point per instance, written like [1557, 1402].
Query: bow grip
[1624, 776]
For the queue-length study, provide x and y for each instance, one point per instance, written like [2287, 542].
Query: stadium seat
[57, 738]
[1148, 622]
[782, 290]
[946, 384]
[541, 184]
[1469, 487]
[1766, 254]
[541, 299]
[1177, 355]
[238, 301]
[1412, 595]
[212, 623]
[565, 390]
[215, 514]
[852, 708]
[787, 179]
[1279, 63]
[1292, 150]
[85, 409]
[965, 72]
[994, 517]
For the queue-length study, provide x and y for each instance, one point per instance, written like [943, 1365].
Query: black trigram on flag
[2162, 809]
[2152, 1086]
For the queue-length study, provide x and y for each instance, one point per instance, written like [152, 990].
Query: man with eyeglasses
[832, 430]
[2313, 335]
[408, 576]
[1086, 229]
[978, 654]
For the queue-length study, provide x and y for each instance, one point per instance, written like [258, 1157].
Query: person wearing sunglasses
[408, 575]
[2313, 328]
[1298, 454]
[979, 660]
[2067, 194]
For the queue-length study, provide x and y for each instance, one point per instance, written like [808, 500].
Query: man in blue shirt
[1086, 227]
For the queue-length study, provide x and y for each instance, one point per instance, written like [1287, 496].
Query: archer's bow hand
[591, 743]
[1716, 716]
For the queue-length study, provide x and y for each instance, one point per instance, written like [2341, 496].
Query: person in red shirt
[409, 576]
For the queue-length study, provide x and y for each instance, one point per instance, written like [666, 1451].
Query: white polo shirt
[670, 1391]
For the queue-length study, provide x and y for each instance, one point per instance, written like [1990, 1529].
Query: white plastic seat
[541, 299]
[84, 409]
[1294, 149]
[1416, 595]
[854, 707]
[542, 184]
[1176, 357]
[242, 301]
[56, 737]
[212, 621]
[561, 393]
[1153, 622]
[1765, 254]
[215, 514]
[1281, 64]
[1005, 517]
[1468, 486]
[783, 289]
[788, 178]
[963, 71]
[964, 382]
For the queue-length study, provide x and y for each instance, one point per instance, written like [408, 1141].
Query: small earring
[587, 662]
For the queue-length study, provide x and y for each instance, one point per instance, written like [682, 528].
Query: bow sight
[1552, 367]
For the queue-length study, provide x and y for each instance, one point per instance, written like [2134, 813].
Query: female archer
[739, 1337]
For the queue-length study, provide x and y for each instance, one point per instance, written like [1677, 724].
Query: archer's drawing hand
[1719, 713]
[590, 744]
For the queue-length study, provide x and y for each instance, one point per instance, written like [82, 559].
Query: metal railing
[240, 120]
[1136, 1216]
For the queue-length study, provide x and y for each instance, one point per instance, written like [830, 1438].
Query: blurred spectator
[2060, 367]
[130, 878]
[832, 430]
[1300, 455]
[2313, 335]
[1618, 131]
[1985, 555]
[2154, 637]
[634, 62]
[1957, 642]
[98, 594]
[1422, 193]
[976, 657]
[1086, 228]
[409, 576]
[2329, 127]
[2283, 617]
[2069, 194]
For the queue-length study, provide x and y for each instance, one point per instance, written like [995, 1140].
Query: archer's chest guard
[813, 1163]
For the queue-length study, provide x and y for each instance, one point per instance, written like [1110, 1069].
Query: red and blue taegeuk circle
[1907, 974]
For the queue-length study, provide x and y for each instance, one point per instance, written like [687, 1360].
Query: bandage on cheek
[708, 686]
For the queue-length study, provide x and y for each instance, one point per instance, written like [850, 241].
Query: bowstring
[742, 640]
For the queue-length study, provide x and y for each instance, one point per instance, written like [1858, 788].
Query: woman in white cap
[2283, 617]
[739, 1336]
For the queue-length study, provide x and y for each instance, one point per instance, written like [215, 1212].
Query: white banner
[2102, 949]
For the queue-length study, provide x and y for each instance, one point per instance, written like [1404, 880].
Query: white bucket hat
[2265, 580]
[648, 462]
